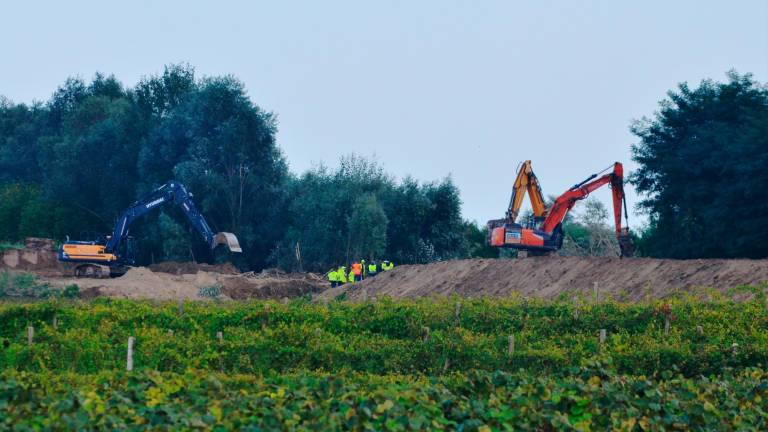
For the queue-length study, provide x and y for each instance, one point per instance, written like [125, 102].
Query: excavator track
[95, 271]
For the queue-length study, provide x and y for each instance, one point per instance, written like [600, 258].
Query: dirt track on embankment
[550, 277]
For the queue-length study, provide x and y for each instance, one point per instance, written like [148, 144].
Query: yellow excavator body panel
[90, 252]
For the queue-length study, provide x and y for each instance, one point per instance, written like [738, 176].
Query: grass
[4, 246]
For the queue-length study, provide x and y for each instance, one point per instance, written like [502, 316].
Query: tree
[367, 229]
[590, 234]
[702, 171]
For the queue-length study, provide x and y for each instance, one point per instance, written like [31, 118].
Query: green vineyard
[387, 365]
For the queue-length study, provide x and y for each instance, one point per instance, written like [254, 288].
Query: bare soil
[180, 268]
[143, 283]
[628, 279]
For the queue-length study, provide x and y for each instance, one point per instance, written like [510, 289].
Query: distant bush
[22, 285]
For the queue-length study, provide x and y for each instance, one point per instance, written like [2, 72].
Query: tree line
[71, 164]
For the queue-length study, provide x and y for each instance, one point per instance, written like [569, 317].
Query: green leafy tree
[702, 161]
[367, 229]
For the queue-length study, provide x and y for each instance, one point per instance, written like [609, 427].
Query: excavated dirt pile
[180, 268]
[550, 277]
[189, 281]
[272, 284]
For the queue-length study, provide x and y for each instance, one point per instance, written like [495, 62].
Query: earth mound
[629, 279]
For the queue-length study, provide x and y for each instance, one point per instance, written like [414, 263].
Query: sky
[428, 88]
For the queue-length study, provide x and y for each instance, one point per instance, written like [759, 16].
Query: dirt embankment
[550, 277]
[37, 255]
[178, 281]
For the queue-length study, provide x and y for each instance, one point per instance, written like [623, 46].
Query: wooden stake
[55, 322]
[511, 345]
[666, 326]
[170, 333]
[596, 292]
[181, 306]
[220, 337]
[446, 364]
[129, 358]
[602, 336]
[457, 311]
[30, 335]
[700, 330]
[575, 308]
[426, 334]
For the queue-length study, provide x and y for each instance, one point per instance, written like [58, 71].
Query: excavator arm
[565, 202]
[105, 257]
[169, 193]
[526, 181]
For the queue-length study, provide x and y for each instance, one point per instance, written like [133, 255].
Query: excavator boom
[113, 253]
[526, 181]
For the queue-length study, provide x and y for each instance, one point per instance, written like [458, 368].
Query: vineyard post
[55, 322]
[446, 364]
[426, 334]
[666, 325]
[700, 330]
[511, 345]
[181, 306]
[170, 333]
[30, 335]
[129, 357]
[596, 292]
[575, 308]
[602, 336]
[220, 337]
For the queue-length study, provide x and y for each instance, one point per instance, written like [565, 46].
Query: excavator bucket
[626, 245]
[228, 239]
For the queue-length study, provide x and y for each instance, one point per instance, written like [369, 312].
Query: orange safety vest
[357, 269]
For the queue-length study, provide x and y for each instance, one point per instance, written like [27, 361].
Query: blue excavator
[112, 254]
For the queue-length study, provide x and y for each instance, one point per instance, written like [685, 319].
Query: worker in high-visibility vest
[351, 276]
[373, 269]
[333, 277]
[341, 275]
[357, 270]
[387, 265]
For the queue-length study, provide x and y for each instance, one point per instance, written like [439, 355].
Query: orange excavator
[545, 234]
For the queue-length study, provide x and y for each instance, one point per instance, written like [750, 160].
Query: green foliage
[588, 234]
[24, 212]
[367, 228]
[22, 285]
[71, 291]
[477, 241]
[423, 221]
[70, 166]
[702, 170]
[590, 399]
[213, 291]
[4, 246]
[176, 241]
[387, 336]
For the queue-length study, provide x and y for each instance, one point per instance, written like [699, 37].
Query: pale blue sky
[430, 87]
